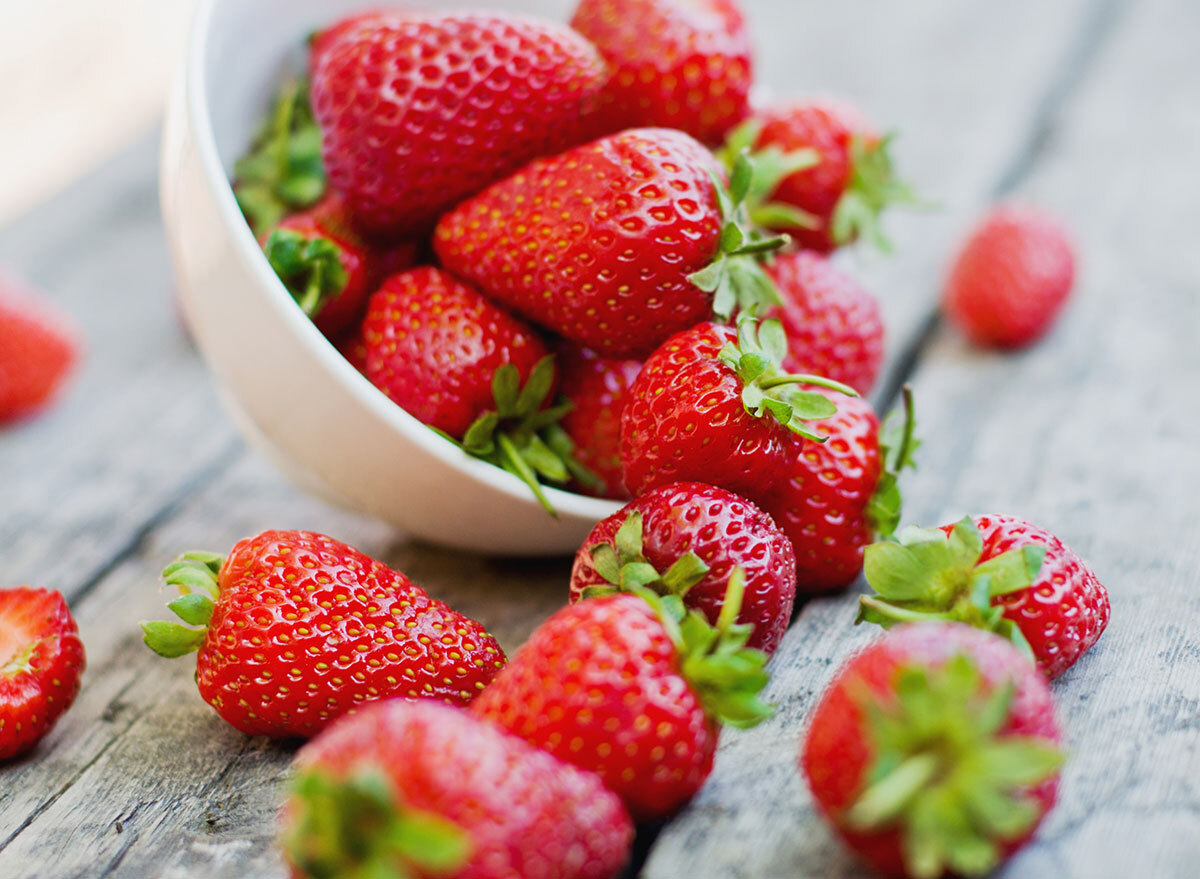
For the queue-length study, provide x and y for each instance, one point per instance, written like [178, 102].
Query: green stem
[524, 472]
[802, 379]
[900, 614]
[910, 423]
[310, 299]
[767, 245]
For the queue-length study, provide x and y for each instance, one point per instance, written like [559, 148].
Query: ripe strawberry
[825, 174]
[597, 388]
[472, 372]
[354, 348]
[295, 629]
[616, 244]
[997, 573]
[634, 690]
[687, 539]
[38, 348]
[934, 751]
[418, 112]
[41, 662]
[832, 324]
[322, 40]
[712, 405]
[682, 64]
[840, 495]
[1011, 278]
[420, 789]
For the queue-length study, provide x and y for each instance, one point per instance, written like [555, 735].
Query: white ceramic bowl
[289, 390]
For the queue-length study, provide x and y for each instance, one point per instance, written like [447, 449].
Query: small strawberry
[41, 662]
[712, 405]
[997, 573]
[631, 688]
[473, 372]
[1011, 278]
[38, 348]
[406, 789]
[614, 245]
[825, 175]
[597, 388]
[419, 111]
[687, 539]
[832, 324]
[682, 64]
[840, 495]
[295, 629]
[934, 752]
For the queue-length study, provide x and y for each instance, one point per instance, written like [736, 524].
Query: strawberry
[995, 572]
[934, 751]
[294, 629]
[629, 687]
[41, 662]
[420, 789]
[1011, 278]
[687, 539]
[472, 372]
[682, 64]
[614, 245]
[839, 495]
[712, 405]
[825, 174]
[324, 39]
[38, 348]
[832, 324]
[419, 111]
[597, 388]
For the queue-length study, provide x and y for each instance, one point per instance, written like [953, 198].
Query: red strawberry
[627, 690]
[687, 539]
[833, 325]
[1011, 279]
[839, 495]
[681, 64]
[422, 790]
[997, 573]
[354, 348]
[38, 348]
[295, 629]
[934, 752]
[322, 40]
[597, 388]
[825, 174]
[712, 405]
[616, 244]
[41, 662]
[418, 112]
[471, 371]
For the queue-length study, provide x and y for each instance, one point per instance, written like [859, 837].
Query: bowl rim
[352, 381]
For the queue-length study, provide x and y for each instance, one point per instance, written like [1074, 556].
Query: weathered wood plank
[1090, 434]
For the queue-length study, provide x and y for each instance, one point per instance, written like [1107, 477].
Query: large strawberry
[934, 751]
[405, 789]
[825, 174]
[838, 496]
[995, 572]
[294, 629]
[832, 324]
[471, 371]
[713, 405]
[38, 348]
[419, 111]
[682, 64]
[41, 662]
[687, 539]
[616, 244]
[631, 688]
[597, 388]
[1011, 278]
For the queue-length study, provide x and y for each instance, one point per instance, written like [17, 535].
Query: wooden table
[1088, 107]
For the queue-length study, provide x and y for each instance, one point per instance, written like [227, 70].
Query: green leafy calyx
[943, 773]
[522, 437]
[897, 444]
[357, 828]
[195, 575]
[311, 268]
[771, 166]
[873, 187]
[768, 391]
[930, 575]
[623, 565]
